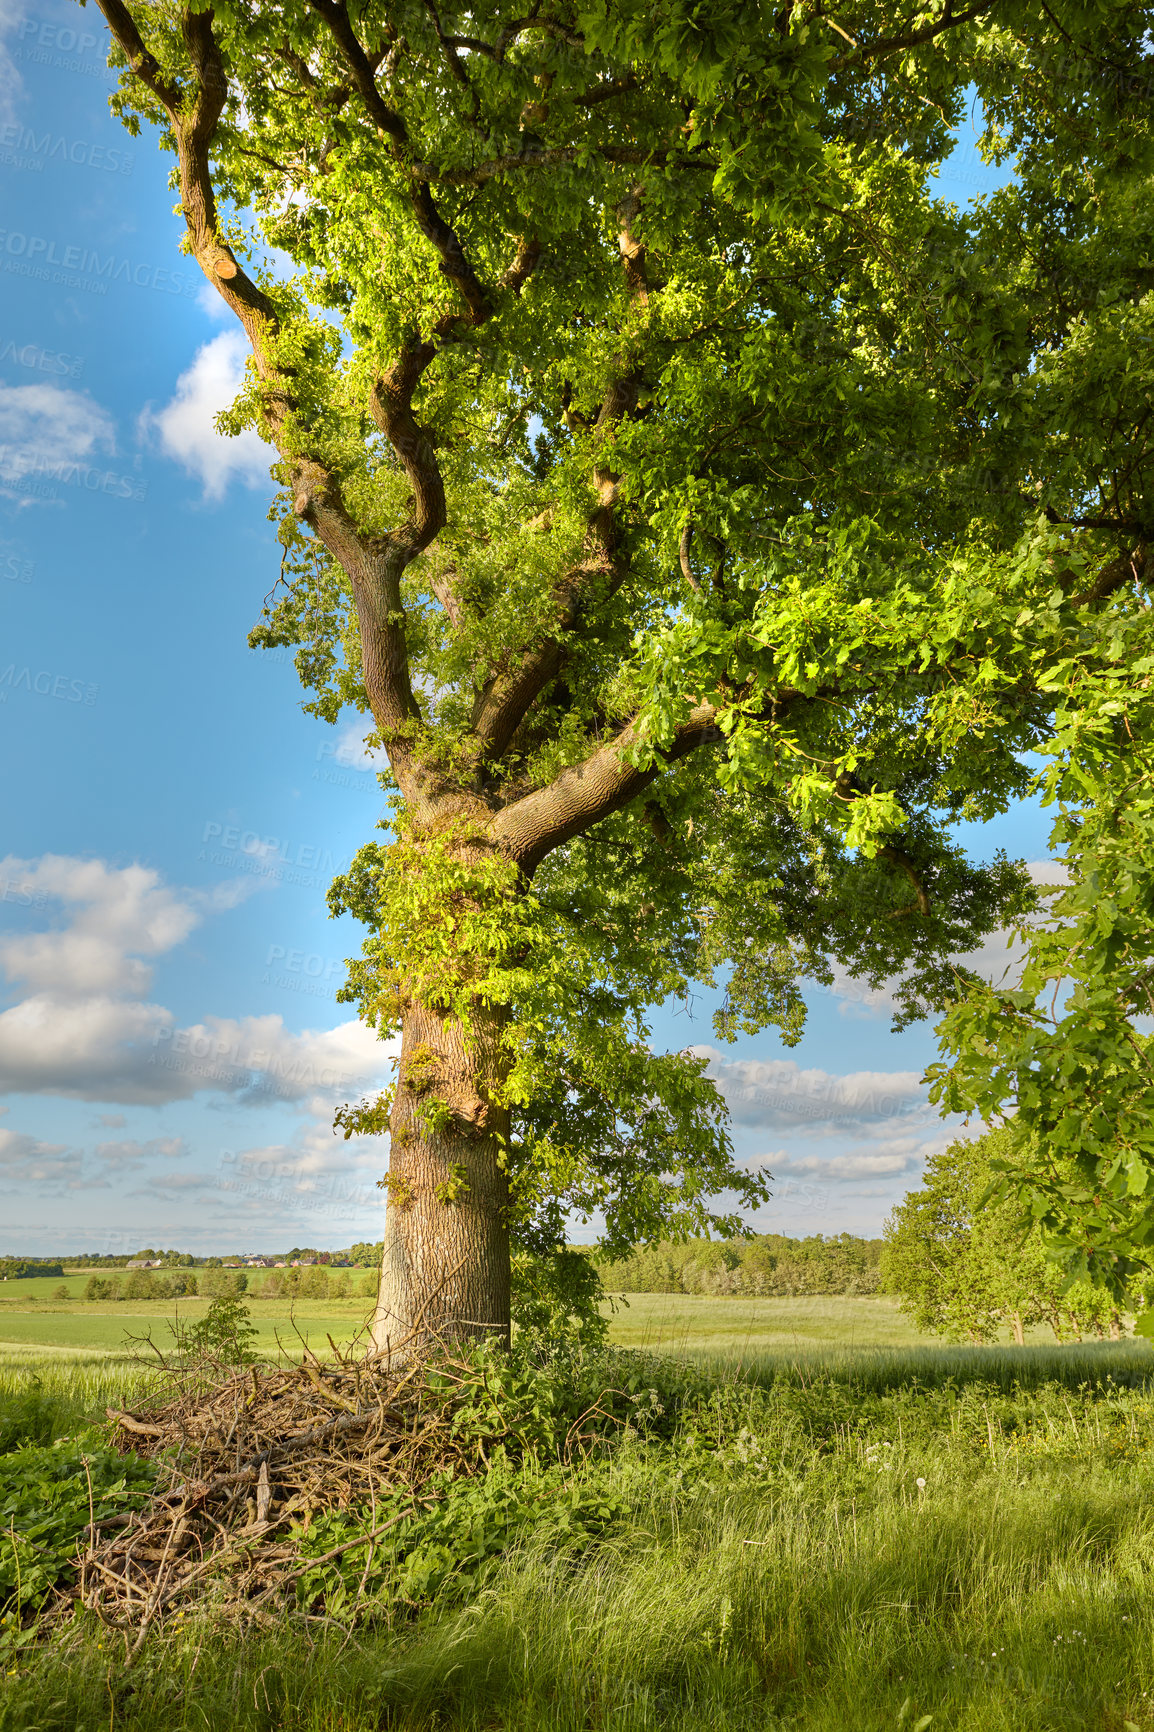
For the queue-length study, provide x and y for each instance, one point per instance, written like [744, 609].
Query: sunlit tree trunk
[445, 1260]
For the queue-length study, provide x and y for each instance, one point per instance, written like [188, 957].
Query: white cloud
[777, 1092]
[1048, 871]
[44, 426]
[25, 1159]
[114, 911]
[186, 426]
[85, 1030]
[846, 1166]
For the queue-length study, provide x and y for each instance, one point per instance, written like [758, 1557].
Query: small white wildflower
[921, 1484]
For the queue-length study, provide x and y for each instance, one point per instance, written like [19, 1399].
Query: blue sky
[171, 1050]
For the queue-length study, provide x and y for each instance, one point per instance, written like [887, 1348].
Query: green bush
[220, 1283]
[103, 1287]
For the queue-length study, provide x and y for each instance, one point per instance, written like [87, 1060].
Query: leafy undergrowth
[812, 1555]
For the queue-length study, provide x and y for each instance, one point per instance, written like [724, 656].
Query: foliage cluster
[969, 1260]
[18, 1268]
[769, 1265]
[45, 1507]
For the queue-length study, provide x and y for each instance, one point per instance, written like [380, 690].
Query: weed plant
[793, 1545]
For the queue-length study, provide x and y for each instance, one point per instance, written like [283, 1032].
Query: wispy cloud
[186, 426]
[45, 426]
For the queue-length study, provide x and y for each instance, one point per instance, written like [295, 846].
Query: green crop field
[102, 1327]
[741, 1331]
[680, 1322]
[668, 1323]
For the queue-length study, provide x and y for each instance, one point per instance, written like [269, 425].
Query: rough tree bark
[445, 1260]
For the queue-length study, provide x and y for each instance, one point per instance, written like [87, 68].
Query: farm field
[740, 1331]
[101, 1327]
[676, 1324]
[683, 1322]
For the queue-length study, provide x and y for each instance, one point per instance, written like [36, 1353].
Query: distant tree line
[768, 1265]
[967, 1265]
[142, 1284]
[21, 1268]
[315, 1283]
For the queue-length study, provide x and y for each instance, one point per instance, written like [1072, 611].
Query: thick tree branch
[1128, 568]
[898, 857]
[454, 264]
[585, 793]
[391, 404]
[555, 156]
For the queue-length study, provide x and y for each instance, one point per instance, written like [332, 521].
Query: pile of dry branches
[245, 1465]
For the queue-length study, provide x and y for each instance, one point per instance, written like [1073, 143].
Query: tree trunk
[1115, 1326]
[1016, 1326]
[445, 1260]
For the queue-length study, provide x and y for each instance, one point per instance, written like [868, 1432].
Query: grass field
[821, 1523]
[668, 1323]
[680, 1322]
[32, 1322]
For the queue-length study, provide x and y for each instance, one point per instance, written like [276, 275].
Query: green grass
[43, 1398]
[775, 1565]
[102, 1327]
[681, 1322]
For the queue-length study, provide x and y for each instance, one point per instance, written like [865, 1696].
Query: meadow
[808, 1523]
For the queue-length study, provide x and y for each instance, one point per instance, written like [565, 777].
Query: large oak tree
[694, 499]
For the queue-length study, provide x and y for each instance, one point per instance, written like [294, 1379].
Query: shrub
[143, 1284]
[101, 1287]
[223, 1283]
